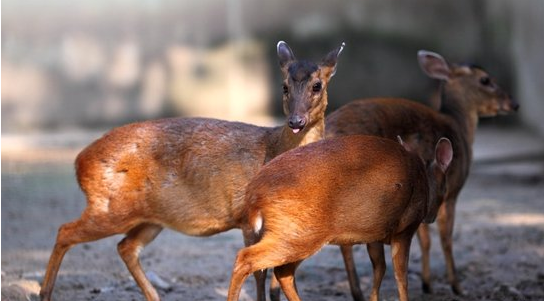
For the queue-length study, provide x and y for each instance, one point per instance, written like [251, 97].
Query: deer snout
[296, 123]
[514, 104]
[508, 103]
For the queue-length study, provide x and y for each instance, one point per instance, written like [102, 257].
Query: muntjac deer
[187, 174]
[344, 191]
[467, 93]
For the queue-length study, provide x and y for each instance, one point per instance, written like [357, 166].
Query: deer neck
[290, 140]
[457, 107]
[283, 139]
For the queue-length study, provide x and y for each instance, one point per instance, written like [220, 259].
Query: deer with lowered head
[186, 174]
[467, 93]
[344, 191]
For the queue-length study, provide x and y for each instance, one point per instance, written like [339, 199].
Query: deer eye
[285, 89]
[485, 81]
[316, 87]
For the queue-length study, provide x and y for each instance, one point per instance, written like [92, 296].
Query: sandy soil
[498, 244]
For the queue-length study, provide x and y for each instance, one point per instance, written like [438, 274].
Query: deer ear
[443, 153]
[330, 61]
[434, 65]
[285, 55]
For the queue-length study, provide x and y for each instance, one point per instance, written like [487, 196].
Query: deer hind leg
[247, 262]
[353, 278]
[251, 238]
[400, 251]
[265, 254]
[425, 245]
[129, 249]
[446, 217]
[274, 290]
[377, 257]
[285, 275]
[89, 227]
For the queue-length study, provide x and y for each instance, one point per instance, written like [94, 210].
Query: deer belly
[197, 213]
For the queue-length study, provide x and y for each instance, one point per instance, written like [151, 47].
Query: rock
[22, 290]
[157, 281]
[507, 292]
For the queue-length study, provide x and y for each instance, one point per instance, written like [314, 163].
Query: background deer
[187, 174]
[343, 191]
[467, 93]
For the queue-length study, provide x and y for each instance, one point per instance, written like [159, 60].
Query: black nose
[514, 105]
[297, 122]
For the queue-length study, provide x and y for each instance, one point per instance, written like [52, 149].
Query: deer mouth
[507, 109]
[510, 107]
[297, 123]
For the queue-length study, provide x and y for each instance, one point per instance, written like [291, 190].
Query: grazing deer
[187, 174]
[344, 190]
[467, 93]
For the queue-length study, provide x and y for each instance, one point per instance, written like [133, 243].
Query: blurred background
[99, 64]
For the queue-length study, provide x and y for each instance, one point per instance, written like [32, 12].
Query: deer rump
[340, 192]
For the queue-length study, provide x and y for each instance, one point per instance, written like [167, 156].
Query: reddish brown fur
[466, 95]
[187, 174]
[346, 190]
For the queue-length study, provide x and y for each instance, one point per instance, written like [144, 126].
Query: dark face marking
[301, 70]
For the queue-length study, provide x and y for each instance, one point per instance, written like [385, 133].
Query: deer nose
[297, 122]
[514, 105]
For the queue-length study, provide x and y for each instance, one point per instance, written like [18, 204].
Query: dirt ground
[498, 241]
